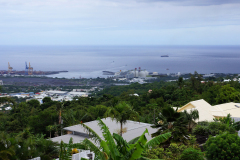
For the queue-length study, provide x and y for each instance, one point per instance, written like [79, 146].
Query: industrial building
[132, 74]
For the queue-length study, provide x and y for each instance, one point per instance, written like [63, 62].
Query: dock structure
[9, 68]
[30, 69]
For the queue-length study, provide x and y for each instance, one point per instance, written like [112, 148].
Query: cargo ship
[164, 56]
[108, 73]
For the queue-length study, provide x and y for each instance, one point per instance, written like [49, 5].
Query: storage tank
[143, 73]
[134, 72]
[147, 73]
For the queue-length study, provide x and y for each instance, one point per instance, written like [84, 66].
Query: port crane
[9, 68]
[30, 69]
[26, 69]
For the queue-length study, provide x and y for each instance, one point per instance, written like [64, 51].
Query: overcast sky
[119, 22]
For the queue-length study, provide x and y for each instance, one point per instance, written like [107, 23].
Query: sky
[119, 22]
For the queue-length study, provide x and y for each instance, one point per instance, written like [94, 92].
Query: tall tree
[180, 82]
[121, 113]
[195, 80]
[153, 105]
[60, 107]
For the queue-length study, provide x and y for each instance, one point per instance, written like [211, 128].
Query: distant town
[32, 86]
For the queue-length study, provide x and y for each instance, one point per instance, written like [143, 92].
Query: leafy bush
[223, 146]
[212, 128]
[218, 127]
[173, 152]
[155, 153]
[191, 154]
[229, 121]
[201, 130]
[192, 142]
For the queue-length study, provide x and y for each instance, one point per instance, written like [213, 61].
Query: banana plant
[114, 147]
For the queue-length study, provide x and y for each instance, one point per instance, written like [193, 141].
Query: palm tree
[59, 108]
[114, 147]
[121, 113]
[190, 117]
[169, 120]
[51, 128]
[169, 115]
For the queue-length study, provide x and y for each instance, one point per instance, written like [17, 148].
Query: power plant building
[132, 74]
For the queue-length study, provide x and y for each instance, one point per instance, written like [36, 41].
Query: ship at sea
[164, 56]
[108, 73]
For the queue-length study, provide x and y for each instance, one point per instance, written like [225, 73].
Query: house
[132, 130]
[208, 112]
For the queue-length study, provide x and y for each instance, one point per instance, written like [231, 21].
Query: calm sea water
[90, 61]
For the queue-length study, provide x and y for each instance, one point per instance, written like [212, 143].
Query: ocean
[90, 61]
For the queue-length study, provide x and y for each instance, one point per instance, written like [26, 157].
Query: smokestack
[135, 72]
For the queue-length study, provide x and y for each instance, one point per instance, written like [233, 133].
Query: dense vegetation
[224, 146]
[31, 121]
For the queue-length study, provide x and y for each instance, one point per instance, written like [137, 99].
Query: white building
[79, 94]
[208, 112]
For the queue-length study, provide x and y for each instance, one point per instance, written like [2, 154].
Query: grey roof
[134, 129]
[66, 138]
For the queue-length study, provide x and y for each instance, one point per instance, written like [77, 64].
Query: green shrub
[224, 146]
[212, 128]
[191, 154]
[192, 142]
[154, 153]
[173, 152]
[201, 130]
[218, 127]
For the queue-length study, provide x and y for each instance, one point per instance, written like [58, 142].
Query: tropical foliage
[121, 113]
[114, 147]
[191, 117]
[224, 146]
[191, 154]
[169, 120]
[7, 146]
[25, 146]
[29, 122]
[173, 151]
